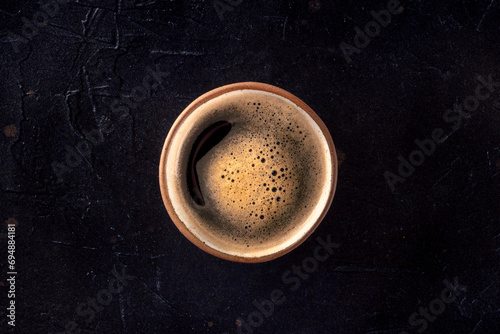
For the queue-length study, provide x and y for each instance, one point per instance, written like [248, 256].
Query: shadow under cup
[247, 172]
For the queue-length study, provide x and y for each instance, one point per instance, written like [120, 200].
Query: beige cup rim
[209, 96]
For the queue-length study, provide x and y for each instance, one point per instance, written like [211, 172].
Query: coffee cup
[247, 172]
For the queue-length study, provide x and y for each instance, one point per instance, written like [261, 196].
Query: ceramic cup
[247, 172]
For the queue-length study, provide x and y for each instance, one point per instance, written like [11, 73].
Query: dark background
[74, 225]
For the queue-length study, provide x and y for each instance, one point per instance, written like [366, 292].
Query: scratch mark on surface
[446, 174]
[480, 25]
[122, 310]
[57, 242]
[284, 26]
[475, 327]
[178, 53]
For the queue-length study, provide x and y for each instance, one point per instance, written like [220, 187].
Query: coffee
[249, 172]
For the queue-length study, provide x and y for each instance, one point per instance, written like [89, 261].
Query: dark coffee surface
[263, 180]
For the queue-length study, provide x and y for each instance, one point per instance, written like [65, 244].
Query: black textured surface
[75, 224]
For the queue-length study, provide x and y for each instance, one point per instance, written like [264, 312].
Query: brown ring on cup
[202, 100]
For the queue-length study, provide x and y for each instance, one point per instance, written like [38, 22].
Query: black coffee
[210, 137]
[257, 172]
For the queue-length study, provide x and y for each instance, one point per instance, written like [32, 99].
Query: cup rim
[202, 100]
